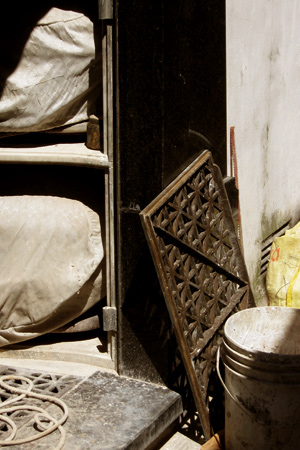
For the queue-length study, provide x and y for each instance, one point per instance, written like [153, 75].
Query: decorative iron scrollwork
[192, 239]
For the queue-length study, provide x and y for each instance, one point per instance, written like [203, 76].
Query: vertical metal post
[105, 9]
[108, 143]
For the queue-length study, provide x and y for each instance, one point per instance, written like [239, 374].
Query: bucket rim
[260, 355]
[278, 362]
[260, 374]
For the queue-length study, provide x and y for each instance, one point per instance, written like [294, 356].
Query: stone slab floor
[105, 411]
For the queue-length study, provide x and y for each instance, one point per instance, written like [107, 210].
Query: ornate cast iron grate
[23, 415]
[192, 239]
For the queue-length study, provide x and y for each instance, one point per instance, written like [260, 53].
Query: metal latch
[109, 318]
[106, 9]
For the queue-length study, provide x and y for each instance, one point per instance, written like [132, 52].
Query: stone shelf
[75, 154]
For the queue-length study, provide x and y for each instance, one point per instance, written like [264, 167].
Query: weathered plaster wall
[263, 104]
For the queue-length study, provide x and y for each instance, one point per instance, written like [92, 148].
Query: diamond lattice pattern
[195, 215]
[200, 267]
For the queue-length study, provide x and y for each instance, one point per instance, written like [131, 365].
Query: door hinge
[109, 318]
[106, 9]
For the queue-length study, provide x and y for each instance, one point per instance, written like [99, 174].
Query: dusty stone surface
[110, 412]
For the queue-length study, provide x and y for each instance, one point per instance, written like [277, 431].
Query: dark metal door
[169, 106]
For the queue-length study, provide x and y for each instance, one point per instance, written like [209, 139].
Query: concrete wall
[263, 104]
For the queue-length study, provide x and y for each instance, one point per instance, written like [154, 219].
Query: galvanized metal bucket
[261, 357]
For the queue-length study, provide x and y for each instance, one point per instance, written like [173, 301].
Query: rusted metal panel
[192, 239]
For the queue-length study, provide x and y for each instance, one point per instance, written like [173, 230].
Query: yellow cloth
[283, 274]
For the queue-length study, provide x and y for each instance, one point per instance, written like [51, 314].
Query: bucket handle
[221, 379]
[240, 405]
